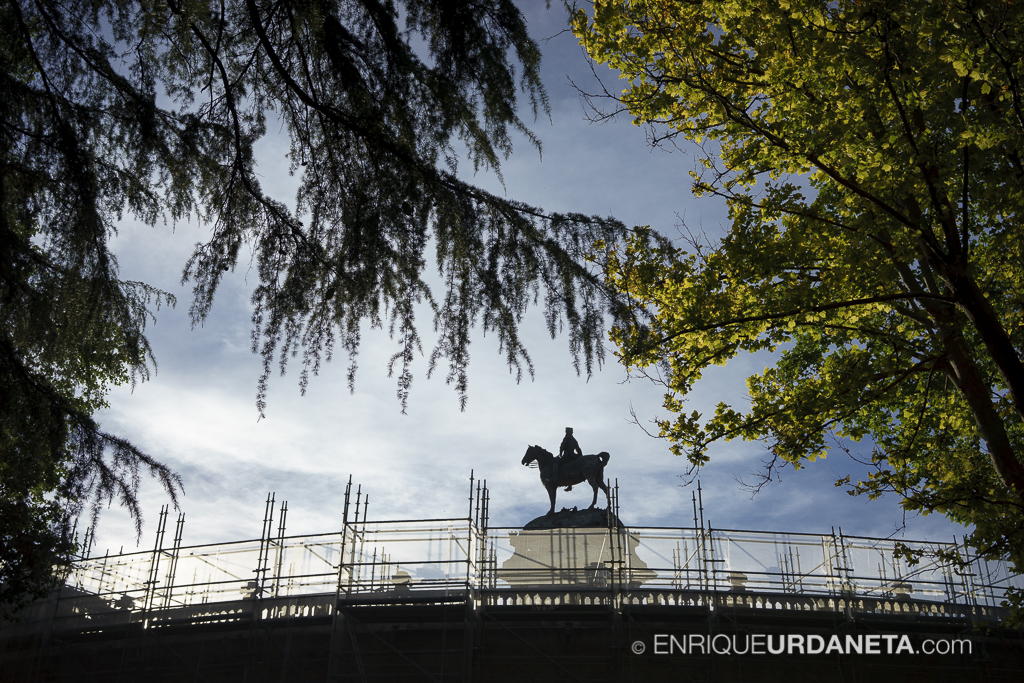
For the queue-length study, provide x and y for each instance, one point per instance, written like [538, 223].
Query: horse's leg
[552, 491]
[607, 497]
[593, 478]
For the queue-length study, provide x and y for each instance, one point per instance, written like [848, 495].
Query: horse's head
[536, 454]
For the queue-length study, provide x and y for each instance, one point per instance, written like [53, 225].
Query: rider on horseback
[567, 452]
[588, 468]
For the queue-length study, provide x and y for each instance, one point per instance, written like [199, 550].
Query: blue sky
[198, 413]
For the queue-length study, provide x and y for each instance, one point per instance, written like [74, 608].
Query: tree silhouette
[117, 107]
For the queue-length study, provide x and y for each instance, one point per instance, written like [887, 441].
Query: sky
[198, 415]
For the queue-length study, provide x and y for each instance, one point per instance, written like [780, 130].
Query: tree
[68, 336]
[153, 109]
[870, 155]
[69, 330]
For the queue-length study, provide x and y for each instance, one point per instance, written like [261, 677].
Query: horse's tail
[604, 457]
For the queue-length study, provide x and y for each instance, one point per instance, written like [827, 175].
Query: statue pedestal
[574, 554]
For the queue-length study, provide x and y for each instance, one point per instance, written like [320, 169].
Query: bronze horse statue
[589, 468]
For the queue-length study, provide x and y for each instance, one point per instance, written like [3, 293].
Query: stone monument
[586, 549]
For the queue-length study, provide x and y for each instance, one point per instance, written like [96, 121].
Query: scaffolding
[470, 576]
[440, 557]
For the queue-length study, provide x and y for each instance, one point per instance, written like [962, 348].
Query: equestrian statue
[555, 472]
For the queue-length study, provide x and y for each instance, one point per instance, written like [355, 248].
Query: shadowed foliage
[117, 108]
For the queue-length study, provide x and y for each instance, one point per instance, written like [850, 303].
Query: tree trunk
[973, 302]
[976, 392]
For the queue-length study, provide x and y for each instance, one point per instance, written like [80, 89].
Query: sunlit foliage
[870, 155]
